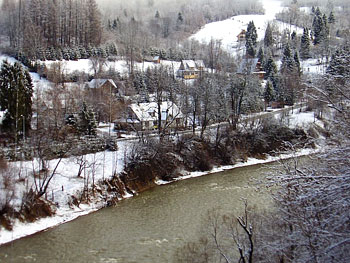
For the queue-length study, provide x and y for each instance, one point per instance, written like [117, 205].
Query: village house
[251, 66]
[241, 36]
[104, 86]
[154, 59]
[144, 116]
[191, 69]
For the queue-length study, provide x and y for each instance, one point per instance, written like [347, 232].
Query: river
[147, 228]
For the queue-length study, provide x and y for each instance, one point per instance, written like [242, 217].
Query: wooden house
[191, 69]
[105, 85]
[241, 36]
[251, 66]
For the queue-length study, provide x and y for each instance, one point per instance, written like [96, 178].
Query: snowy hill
[227, 30]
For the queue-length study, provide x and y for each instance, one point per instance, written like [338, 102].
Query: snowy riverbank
[66, 214]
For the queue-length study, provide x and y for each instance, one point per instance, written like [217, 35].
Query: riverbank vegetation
[168, 158]
[309, 219]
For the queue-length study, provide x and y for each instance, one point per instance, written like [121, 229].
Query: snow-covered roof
[96, 83]
[148, 111]
[248, 66]
[189, 64]
[199, 63]
[192, 65]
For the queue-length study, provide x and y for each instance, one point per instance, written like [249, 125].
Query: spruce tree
[305, 44]
[318, 27]
[16, 91]
[269, 93]
[331, 18]
[297, 63]
[270, 68]
[179, 18]
[261, 56]
[288, 64]
[268, 39]
[87, 121]
[251, 39]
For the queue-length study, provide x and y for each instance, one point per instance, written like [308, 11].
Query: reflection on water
[146, 228]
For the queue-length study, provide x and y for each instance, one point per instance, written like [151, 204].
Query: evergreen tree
[288, 64]
[339, 64]
[270, 68]
[320, 27]
[87, 120]
[16, 91]
[325, 32]
[115, 24]
[331, 18]
[157, 15]
[297, 63]
[261, 56]
[305, 44]
[268, 39]
[269, 93]
[251, 39]
[179, 18]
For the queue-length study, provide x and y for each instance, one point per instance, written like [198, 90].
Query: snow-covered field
[226, 31]
[121, 66]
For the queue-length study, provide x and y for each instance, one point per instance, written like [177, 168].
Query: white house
[144, 116]
[191, 69]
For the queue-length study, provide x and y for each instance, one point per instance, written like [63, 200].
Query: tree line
[35, 24]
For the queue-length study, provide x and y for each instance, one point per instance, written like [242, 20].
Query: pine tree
[269, 93]
[319, 27]
[288, 64]
[325, 32]
[115, 24]
[251, 39]
[179, 18]
[297, 63]
[331, 18]
[261, 56]
[16, 91]
[87, 120]
[270, 68]
[157, 15]
[268, 39]
[305, 44]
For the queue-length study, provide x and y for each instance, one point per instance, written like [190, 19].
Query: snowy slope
[120, 66]
[38, 82]
[227, 30]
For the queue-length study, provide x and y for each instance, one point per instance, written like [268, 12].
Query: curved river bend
[146, 228]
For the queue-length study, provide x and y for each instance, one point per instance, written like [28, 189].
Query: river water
[147, 228]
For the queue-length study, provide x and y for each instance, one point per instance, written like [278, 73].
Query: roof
[96, 83]
[148, 111]
[191, 64]
[243, 31]
[248, 66]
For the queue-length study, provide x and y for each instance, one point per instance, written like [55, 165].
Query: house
[241, 36]
[144, 116]
[105, 85]
[250, 66]
[191, 69]
[154, 59]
